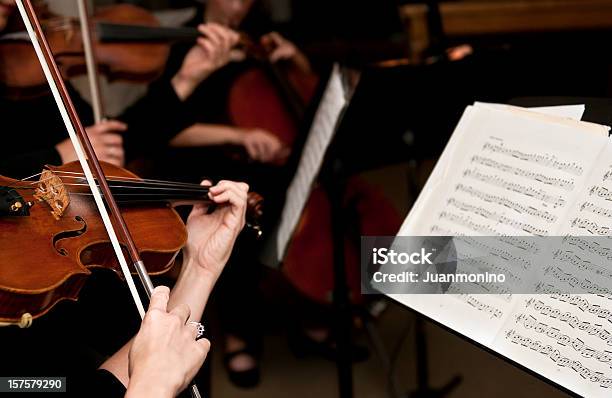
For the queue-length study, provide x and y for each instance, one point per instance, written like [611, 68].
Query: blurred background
[426, 60]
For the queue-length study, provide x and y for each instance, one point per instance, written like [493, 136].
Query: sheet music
[319, 138]
[571, 335]
[574, 112]
[505, 172]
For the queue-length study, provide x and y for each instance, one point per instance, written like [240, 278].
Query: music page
[503, 172]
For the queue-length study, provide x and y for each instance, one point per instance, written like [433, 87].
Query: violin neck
[111, 32]
[139, 193]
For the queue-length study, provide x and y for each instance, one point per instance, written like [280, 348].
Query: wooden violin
[138, 61]
[56, 218]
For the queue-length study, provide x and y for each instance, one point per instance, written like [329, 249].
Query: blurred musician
[202, 146]
[31, 142]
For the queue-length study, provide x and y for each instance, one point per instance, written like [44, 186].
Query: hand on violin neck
[211, 237]
[164, 356]
[212, 51]
[106, 140]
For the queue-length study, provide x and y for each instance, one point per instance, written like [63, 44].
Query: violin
[56, 218]
[137, 61]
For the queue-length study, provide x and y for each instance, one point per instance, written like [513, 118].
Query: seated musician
[209, 102]
[263, 171]
[138, 129]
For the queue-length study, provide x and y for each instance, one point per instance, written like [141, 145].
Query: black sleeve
[155, 119]
[104, 384]
[25, 164]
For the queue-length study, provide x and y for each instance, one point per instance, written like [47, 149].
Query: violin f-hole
[68, 235]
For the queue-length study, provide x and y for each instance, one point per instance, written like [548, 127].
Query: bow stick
[87, 156]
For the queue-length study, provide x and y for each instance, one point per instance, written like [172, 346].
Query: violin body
[22, 77]
[62, 249]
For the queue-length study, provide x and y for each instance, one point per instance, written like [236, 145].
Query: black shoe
[302, 346]
[247, 378]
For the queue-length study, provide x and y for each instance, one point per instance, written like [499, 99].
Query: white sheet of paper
[319, 138]
[485, 157]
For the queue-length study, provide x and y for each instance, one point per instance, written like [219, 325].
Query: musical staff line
[547, 160]
[567, 185]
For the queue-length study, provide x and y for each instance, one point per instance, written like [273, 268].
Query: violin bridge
[52, 191]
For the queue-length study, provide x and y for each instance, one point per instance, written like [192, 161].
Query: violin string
[150, 181]
[67, 173]
[149, 195]
[146, 185]
[73, 175]
[164, 190]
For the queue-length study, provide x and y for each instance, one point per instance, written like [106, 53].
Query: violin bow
[91, 63]
[85, 153]
[87, 157]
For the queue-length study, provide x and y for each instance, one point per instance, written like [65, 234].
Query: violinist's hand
[212, 51]
[106, 140]
[282, 49]
[264, 146]
[211, 237]
[164, 356]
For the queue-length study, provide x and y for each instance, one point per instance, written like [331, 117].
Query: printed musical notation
[495, 180]
[479, 305]
[600, 211]
[601, 192]
[608, 176]
[502, 201]
[571, 319]
[486, 230]
[580, 285]
[530, 322]
[562, 183]
[523, 245]
[572, 258]
[499, 292]
[594, 247]
[468, 223]
[491, 215]
[547, 160]
[591, 226]
[555, 355]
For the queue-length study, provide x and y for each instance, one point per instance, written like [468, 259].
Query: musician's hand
[283, 49]
[211, 237]
[164, 356]
[212, 51]
[106, 140]
[263, 146]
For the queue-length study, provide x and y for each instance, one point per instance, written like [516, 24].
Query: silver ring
[200, 327]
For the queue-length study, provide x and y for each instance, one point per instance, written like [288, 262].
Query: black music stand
[374, 107]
